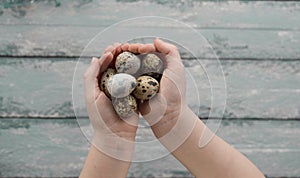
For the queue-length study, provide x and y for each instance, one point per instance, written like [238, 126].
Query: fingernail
[94, 60]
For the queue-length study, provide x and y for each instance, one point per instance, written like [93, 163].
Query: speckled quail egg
[104, 80]
[152, 65]
[146, 87]
[128, 63]
[121, 85]
[125, 106]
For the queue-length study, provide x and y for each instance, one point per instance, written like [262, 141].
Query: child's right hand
[163, 111]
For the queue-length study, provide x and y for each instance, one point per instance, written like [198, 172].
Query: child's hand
[112, 135]
[162, 111]
[176, 126]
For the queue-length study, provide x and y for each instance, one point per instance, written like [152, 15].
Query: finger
[93, 69]
[105, 107]
[91, 76]
[172, 59]
[146, 48]
[134, 48]
[173, 66]
[110, 116]
[111, 48]
[154, 109]
[91, 81]
[117, 49]
[106, 60]
[166, 48]
[125, 47]
[114, 51]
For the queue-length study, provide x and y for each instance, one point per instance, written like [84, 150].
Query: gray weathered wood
[42, 87]
[234, 29]
[57, 148]
[226, 14]
[256, 88]
[28, 40]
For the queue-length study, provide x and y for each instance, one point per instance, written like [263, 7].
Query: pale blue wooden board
[31, 40]
[57, 148]
[234, 29]
[249, 35]
[204, 14]
[255, 89]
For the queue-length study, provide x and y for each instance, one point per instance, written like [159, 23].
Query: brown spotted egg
[152, 65]
[121, 85]
[146, 87]
[128, 63]
[125, 106]
[104, 80]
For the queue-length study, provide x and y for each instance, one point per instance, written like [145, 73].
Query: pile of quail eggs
[133, 78]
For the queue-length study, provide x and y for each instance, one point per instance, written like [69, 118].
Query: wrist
[168, 120]
[165, 124]
[116, 145]
[175, 128]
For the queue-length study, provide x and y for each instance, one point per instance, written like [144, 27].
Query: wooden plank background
[52, 151]
[40, 42]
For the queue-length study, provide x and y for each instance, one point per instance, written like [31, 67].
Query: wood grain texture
[42, 87]
[234, 29]
[57, 148]
[207, 14]
[70, 41]
[257, 42]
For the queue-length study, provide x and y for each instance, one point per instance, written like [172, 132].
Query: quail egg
[146, 87]
[152, 65]
[125, 106]
[104, 80]
[128, 63]
[121, 85]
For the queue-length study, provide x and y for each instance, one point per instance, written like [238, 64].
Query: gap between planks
[61, 58]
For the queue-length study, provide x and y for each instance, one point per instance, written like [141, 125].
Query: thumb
[174, 72]
[91, 75]
[172, 59]
[154, 109]
[166, 48]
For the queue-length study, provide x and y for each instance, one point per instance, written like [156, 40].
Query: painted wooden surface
[255, 89]
[234, 29]
[257, 42]
[206, 14]
[70, 41]
[56, 147]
